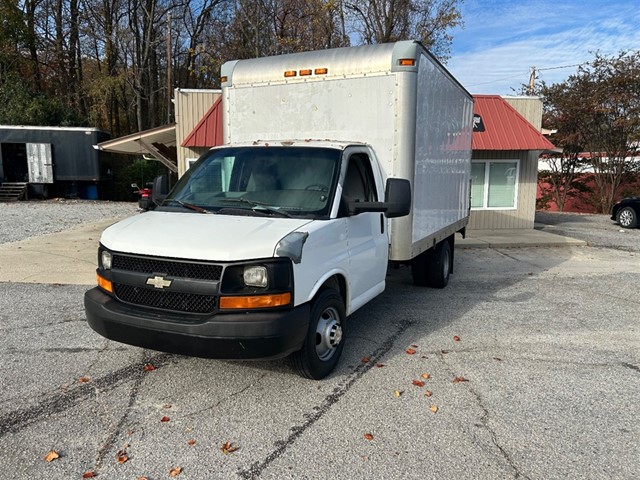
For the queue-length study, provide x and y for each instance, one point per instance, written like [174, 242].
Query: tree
[564, 176]
[597, 114]
[383, 21]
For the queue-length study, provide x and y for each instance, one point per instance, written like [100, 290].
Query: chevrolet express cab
[337, 163]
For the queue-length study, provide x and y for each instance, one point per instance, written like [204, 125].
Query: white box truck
[336, 164]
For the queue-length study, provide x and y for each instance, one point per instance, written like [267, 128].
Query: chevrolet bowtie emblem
[158, 282]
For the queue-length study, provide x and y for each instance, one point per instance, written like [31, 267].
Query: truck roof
[335, 144]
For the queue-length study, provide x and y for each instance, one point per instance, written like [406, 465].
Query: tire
[325, 338]
[627, 218]
[433, 267]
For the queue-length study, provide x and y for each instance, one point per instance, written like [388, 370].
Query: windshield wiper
[259, 205]
[190, 206]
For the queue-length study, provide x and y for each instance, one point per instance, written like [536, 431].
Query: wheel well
[338, 284]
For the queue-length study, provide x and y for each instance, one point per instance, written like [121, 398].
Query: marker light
[321, 71]
[407, 62]
[306, 72]
[290, 73]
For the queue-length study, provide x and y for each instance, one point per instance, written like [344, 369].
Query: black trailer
[52, 161]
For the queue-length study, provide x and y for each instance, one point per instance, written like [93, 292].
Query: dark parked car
[626, 212]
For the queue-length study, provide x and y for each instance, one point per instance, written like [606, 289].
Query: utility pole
[532, 80]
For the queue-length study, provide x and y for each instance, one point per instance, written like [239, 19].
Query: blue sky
[502, 39]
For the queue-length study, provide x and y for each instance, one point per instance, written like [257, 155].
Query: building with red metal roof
[504, 162]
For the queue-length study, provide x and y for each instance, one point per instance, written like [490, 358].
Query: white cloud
[500, 43]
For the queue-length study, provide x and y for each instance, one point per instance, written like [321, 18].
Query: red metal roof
[208, 131]
[505, 128]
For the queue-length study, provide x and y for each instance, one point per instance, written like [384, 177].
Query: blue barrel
[92, 192]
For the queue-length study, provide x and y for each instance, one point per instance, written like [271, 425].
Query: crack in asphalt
[17, 420]
[484, 423]
[319, 411]
[228, 397]
[631, 366]
[111, 437]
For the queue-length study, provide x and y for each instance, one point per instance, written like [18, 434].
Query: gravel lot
[22, 220]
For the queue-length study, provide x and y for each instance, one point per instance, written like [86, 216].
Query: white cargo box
[395, 97]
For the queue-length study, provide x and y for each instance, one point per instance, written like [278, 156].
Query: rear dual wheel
[433, 267]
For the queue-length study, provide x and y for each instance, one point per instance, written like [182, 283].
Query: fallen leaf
[191, 442]
[428, 393]
[166, 405]
[365, 360]
[410, 351]
[149, 367]
[397, 393]
[380, 365]
[84, 379]
[433, 408]
[444, 352]
[418, 383]
[414, 346]
[89, 474]
[51, 456]
[497, 359]
[165, 419]
[174, 472]
[459, 379]
[456, 338]
[426, 376]
[368, 436]
[122, 456]
[228, 448]
[424, 356]
[143, 478]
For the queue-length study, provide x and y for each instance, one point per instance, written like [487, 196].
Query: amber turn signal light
[104, 284]
[256, 301]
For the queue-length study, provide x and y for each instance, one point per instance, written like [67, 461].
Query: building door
[14, 162]
[40, 163]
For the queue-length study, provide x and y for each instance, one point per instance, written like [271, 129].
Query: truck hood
[199, 236]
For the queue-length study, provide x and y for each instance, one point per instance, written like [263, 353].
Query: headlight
[255, 276]
[105, 260]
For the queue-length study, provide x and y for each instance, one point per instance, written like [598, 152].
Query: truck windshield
[282, 181]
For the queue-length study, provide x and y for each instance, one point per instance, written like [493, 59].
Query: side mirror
[397, 197]
[160, 189]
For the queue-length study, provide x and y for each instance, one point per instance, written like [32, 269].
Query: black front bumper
[250, 335]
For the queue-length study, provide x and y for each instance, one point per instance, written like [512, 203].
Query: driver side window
[359, 184]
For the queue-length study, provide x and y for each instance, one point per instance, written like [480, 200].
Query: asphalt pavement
[530, 356]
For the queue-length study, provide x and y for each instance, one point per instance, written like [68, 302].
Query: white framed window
[494, 184]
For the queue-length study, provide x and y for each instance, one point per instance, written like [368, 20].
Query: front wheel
[627, 218]
[324, 342]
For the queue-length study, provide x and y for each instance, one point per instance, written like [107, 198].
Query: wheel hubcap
[328, 334]
[625, 218]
